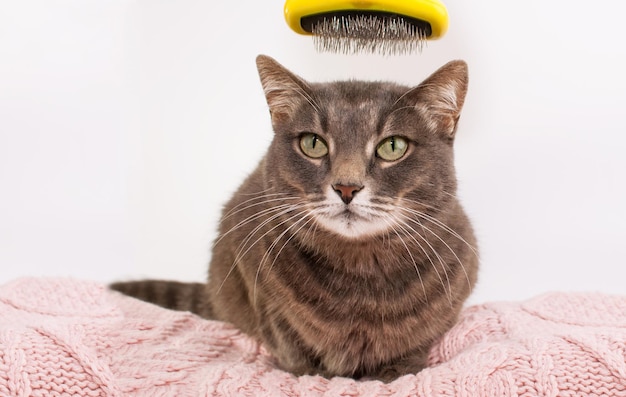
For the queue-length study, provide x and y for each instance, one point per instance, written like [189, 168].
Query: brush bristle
[386, 34]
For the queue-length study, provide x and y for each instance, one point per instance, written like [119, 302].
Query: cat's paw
[407, 366]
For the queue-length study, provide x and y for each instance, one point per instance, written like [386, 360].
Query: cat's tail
[169, 294]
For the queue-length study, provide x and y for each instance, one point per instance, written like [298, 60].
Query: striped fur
[359, 287]
[174, 295]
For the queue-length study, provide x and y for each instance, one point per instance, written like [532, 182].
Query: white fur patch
[357, 219]
[370, 147]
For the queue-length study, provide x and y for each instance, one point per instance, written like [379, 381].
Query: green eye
[313, 146]
[392, 148]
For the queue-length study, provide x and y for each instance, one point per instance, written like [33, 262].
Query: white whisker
[309, 99]
[240, 253]
[439, 258]
[421, 204]
[275, 242]
[426, 228]
[417, 270]
[439, 223]
[402, 96]
[252, 218]
[236, 209]
[255, 193]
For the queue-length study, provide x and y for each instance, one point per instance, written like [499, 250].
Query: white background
[125, 125]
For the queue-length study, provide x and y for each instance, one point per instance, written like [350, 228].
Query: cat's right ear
[283, 90]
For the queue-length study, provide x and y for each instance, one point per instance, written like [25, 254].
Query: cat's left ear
[284, 91]
[441, 96]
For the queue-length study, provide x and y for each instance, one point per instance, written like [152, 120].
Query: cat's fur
[347, 264]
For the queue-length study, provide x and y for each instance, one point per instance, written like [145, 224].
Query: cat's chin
[353, 227]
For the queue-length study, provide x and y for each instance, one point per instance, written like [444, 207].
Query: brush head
[367, 32]
[374, 26]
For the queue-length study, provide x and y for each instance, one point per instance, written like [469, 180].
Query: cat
[346, 251]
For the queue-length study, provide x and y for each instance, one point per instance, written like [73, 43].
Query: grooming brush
[377, 26]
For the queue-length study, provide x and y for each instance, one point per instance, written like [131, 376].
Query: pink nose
[346, 192]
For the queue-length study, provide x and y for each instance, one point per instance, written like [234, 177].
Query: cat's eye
[392, 148]
[313, 146]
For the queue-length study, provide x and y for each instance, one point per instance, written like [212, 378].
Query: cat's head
[361, 156]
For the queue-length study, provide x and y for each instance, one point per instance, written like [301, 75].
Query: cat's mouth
[348, 214]
[350, 218]
[359, 218]
[351, 222]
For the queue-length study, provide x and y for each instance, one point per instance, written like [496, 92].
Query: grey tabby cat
[346, 251]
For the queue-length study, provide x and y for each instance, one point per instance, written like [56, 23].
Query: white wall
[124, 126]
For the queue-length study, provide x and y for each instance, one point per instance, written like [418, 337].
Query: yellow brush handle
[431, 11]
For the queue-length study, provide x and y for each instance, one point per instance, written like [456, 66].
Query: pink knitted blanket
[65, 337]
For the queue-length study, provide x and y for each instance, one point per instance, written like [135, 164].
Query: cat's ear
[441, 96]
[284, 91]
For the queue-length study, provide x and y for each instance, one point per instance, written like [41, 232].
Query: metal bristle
[367, 34]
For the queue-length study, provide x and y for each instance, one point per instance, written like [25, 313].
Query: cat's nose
[346, 192]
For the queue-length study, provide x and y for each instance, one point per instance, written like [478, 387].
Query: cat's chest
[364, 287]
[351, 309]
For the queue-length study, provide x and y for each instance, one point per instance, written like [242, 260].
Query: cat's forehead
[358, 92]
[358, 105]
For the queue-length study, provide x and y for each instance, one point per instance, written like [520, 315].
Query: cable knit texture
[67, 337]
